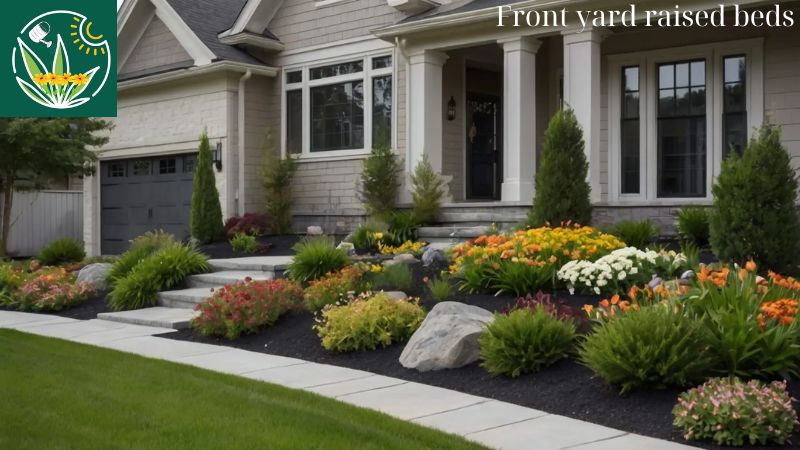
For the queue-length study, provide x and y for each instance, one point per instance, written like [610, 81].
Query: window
[734, 105]
[681, 131]
[167, 166]
[141, 168]
[629, 131]
[189, 162]
[116, 170]
[339, 108]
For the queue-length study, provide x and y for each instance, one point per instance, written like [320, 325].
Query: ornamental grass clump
[314, 258]
[637, 233]
[141, 247]
[334, 287]
[729, 411]
[525, 341]
[368, 321]
[693, 226]
[650, 347]
[526, 261]
[61, 251]
[246, 307]
[393, 277]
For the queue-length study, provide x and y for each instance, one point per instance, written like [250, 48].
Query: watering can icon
[39, 32]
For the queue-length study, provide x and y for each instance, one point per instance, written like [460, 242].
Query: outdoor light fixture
[451, 109]
[216, 156]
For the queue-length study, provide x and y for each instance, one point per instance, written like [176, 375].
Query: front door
[484, 149]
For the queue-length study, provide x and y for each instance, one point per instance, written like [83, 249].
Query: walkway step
[185, 298]
[274, 264]
[210, 280]
[158, 316]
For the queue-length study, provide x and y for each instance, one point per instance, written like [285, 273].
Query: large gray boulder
[434, 258]
[447, 338]
[96, 275]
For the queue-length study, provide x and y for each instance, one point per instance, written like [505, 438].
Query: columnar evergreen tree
[380, 183]
[562, 192]
[205, 222]
[428, 190]
[754, 214]
[277, 174]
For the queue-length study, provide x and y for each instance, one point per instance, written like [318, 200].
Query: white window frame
[366, 77]
[648, 62]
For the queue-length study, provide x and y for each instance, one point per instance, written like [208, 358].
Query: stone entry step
[158, 316]
[185, 298]
[271, 264]
[215, 279]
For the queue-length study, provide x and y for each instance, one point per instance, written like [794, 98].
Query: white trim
[255, 13]
[647, 61]
[324, 3]
[332, 52]
[220, 66]
[253, 40]
[190, 42]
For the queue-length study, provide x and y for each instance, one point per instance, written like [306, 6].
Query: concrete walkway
[493, 423]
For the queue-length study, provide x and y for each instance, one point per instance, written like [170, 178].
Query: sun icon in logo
[56, 75]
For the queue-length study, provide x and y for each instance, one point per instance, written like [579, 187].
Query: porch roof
[457, 7]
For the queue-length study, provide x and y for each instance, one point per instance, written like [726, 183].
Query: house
[329, 79]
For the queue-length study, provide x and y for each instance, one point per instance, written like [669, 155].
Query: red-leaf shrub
[252, 224]
[246, 306]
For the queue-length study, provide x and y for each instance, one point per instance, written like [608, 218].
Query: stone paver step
[275, 264]
[185, 298]
[214, 279]
[158, 316]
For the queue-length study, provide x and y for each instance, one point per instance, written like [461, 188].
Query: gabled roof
[457, 7]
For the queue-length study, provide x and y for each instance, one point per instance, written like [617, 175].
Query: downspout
[240, 194]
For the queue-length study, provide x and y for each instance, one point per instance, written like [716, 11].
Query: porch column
[519, 118]
[425, 112]
[582, 94]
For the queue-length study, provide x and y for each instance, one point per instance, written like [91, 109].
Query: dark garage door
[144, 194]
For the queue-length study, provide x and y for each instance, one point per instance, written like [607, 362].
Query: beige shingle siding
[157, 47]
[327, 187]
[261, 115]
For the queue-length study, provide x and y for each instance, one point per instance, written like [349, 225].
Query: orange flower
[588, 308]
[615, 299]
[604, 303]
[750, 266]
[623, 306]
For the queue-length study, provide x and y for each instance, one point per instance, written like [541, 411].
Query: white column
[582, 94]
[91, 212]
[425, 112]
[519, 118]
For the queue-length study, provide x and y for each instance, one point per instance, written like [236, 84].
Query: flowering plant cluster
[54, 79]
[414, 248]
[526, 261]
[51, 289]
[336, 286]
[621, 269]
[732, 412]
[245, 307]
[783, 310]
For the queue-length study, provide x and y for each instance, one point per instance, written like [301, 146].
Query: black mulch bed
[85, 311]
[567, 388]
[280, 245]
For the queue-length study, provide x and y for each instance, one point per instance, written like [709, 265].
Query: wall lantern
[216, 156]
[451, 109]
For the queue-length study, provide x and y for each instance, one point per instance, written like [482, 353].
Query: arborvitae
[754, 215]
[206, 218]
[277, 174]
[380, 183]
[428, 189]
[562, 192]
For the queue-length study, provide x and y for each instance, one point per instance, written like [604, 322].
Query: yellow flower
[60, 80]
[79, 79]
[51, 78]
[40, 78]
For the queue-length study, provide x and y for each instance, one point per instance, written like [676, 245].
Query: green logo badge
[63, 61]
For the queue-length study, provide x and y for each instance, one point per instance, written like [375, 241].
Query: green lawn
[56, 394]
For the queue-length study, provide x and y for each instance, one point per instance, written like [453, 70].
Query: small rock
[655, 282]
[314, 231]
[96, 275]
[397, 295]
[688, 275]
[346, 246]
[405, 258]
[447, 338]
[434, 258]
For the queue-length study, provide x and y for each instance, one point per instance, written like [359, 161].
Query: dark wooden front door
[484, 146]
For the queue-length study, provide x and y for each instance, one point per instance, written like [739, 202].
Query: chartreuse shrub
[244, 243]
[245, 307]
[380, 183]
[754, 214]
[205, 221]
[729, 411]
[525, 341]
[367, 322]
[427, 191]
[163, 270]
[649, 347]
[61, 251]
[636, 233]
[141, 247]
[562, 192]
[693, 226]
[334, 287]
[314, 258]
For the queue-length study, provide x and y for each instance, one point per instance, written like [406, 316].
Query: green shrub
[367, 322]
[640, 234]
[402, 228]
[427, 191]
[562, 192]
[441, 288]
[205, 221]
[245, 307]
[380, 183]
[729, 411]
[164, 270]
[314, 258]
[754, 214]
[364, 237]
[244, 243]
[277, 174]
[525, 341]
[393, 277]
[334, 287]
[693, 226]
[61, 251]
[141, 247]
[652, 347]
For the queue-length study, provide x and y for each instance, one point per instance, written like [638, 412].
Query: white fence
[38, 218]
